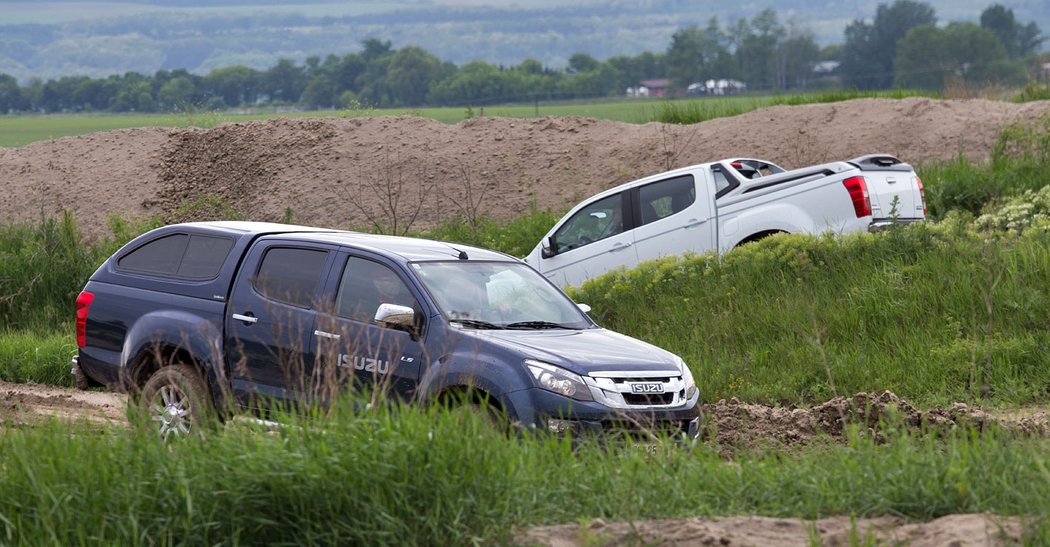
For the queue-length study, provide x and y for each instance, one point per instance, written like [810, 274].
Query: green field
[21, 130]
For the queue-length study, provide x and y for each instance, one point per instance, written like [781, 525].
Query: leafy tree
[476, 82]
[1018, 40]
[581, 62]
[11, 98]
[58, 94]
[602, 81]
[928, 57]
[96, 94]
[320, 92]
[133, 95]
[795, 57]
[375, 48]
[410, 74]
[870, 50]
[633, 70]
[532, 66]
[285, 81]
[757, 51]
[176, 94]
[350, 68]
[697, 54]
[236, 85]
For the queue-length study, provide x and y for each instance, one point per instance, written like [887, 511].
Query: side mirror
[548, 247]
[583, 307]
[394, 316]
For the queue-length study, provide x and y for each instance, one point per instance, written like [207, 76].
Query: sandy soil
[334, 172]
[971, 530]
[31, 404]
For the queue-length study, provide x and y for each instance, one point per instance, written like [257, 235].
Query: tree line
[902, 46]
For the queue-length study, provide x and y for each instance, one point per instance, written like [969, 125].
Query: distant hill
[53, 39]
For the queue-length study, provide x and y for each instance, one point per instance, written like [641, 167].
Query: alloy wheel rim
[171, 412]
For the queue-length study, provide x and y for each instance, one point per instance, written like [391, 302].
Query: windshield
[503, 295]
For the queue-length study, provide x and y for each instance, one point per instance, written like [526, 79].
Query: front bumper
[539, 409]
[671, 429]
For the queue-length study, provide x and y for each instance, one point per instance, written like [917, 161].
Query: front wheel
[175, 401]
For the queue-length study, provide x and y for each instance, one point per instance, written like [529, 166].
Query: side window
[599, 220]
[291, 275]
[365, 285]
[662, 199]
[204, 257]
[179, 255]
[721, 182]
[160, 256]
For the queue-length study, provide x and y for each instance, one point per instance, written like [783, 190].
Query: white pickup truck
[724, 204]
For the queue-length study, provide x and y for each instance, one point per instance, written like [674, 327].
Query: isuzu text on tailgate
[193, 317]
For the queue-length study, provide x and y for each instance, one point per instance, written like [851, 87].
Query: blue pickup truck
[198, 319]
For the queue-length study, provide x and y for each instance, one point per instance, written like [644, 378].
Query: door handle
[247, 317]
[693, 223]
[324, 334]
[619, 247]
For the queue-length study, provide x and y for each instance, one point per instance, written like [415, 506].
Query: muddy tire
[175, 402]
[80, 380]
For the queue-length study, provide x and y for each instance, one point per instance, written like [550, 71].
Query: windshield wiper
[538, 325]
[475, 323]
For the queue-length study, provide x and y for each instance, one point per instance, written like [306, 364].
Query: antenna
[462, 254]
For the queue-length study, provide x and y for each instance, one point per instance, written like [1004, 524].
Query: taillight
[83, 303]
[922, 194]
[858, 192]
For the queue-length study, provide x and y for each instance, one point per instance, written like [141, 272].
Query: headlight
[559, 380]
[687, 375]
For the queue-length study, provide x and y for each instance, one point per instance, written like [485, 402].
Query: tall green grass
[934, 313]
[422, 477]
[44, 265]
[1018, 163]
[38, 357]
[709, 108]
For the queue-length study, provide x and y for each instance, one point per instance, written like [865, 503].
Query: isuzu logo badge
[655, 387]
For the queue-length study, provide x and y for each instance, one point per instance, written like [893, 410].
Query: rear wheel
[175, 402]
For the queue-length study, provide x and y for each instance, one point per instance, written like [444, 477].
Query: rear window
[291, 275]
[184, 256]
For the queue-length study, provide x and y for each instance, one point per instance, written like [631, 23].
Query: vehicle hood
[580, 351]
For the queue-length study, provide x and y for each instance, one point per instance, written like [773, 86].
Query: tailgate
[888, 180]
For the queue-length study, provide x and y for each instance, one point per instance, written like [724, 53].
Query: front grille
[637, 390]
[649, 400]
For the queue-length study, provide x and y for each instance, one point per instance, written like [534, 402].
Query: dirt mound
[338, 172]
[734, 423]
[973, 530]
[731, 424]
